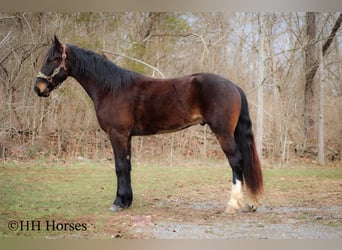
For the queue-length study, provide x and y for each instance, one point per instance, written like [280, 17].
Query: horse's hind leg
[233, 154]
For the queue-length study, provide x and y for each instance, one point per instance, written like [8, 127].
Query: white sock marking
[236, 196]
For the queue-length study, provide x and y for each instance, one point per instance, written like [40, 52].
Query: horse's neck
[88, 85]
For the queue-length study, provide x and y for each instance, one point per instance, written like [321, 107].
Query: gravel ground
[266, 223]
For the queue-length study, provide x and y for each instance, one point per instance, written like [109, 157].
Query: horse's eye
[53, 59]
[56, 59]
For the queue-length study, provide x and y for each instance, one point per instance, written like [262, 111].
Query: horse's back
[214, 84]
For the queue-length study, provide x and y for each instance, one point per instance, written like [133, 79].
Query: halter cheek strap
[57, 70]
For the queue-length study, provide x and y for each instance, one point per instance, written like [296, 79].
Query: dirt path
[207, 221]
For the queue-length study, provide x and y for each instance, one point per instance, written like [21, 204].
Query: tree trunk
[311, 65]
[260, 89]
[321, 105]
[310, 70]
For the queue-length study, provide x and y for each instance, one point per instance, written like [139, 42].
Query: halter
[57, 70]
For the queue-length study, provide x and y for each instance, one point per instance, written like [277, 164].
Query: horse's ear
[56, 42]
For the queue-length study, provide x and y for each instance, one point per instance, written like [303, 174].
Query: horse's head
[54, 70]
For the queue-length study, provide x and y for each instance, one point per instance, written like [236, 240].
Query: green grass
[84, 191]
[53, 191]
[290, 178]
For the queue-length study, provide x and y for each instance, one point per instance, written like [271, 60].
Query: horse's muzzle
[41, 89]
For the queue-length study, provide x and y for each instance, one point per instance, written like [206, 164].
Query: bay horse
[129, 104]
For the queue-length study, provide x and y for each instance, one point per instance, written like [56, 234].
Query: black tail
[244, 138]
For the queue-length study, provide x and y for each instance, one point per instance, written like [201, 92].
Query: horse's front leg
[122, 151]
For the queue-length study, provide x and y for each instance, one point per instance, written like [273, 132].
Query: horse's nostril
[36, 89]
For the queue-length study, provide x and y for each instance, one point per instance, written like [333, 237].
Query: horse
[129, 104]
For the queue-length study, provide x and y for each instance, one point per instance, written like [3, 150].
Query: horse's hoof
[249, 208]
[116, 208]
[252, 208]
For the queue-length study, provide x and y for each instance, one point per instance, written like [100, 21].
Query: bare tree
[311, 65]
[321, 110]
[260, 89]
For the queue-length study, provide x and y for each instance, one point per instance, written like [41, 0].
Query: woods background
[289, 65]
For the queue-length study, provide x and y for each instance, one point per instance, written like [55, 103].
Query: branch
[326, 45]
[135, 60]
[332, 34]
[5, 39]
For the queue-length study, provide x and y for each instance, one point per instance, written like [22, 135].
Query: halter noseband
[57, 70]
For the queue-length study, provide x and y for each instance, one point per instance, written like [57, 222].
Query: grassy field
[72, 200]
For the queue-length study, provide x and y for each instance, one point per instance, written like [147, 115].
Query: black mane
[102, 71]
